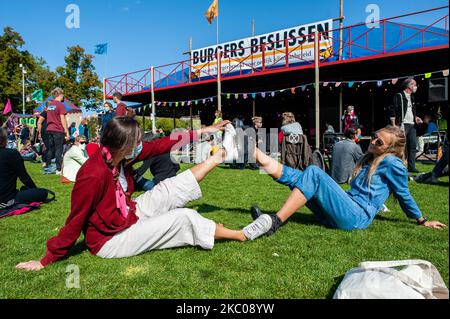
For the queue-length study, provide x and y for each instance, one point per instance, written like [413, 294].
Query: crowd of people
[105, 175]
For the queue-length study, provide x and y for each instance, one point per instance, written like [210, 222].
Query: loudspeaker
[438, 90]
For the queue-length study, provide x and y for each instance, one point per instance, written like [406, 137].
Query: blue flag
[101, 49]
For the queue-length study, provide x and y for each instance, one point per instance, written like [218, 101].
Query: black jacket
[396, 108]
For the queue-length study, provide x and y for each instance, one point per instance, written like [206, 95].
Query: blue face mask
[136, 152]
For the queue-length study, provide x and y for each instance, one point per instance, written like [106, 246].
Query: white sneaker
[59, 173]
[229, 144]
[258, 228]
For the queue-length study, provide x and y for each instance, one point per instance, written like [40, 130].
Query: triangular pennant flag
[182, 103]
[176, 104]
[350, 84]
[394, 81]
[293, 90]
[189, 103]
[427, 75]
[170, 104]
[165, 104]
[245, 96]
[445, 72]
[363, 82]
[211, 99]
[228, 96]
[196, 102]
[253, 95]
[236, 96]
[325, 84]
[281, 91]
[273, 94]
[379, 83]
[204, 101]
[8, 108]
[263, 94]
[304, 88]
[338, 84]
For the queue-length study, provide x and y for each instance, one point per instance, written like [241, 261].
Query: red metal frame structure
[173, 75]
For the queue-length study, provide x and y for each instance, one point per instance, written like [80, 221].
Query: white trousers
[163, 222]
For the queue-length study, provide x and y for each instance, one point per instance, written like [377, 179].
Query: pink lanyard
[121, 200]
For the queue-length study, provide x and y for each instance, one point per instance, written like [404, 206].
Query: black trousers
[28, 196]
[55, 148]
[411, 145]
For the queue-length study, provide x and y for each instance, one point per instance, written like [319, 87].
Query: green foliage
[165, 123]
[77, 77]
[310, 259]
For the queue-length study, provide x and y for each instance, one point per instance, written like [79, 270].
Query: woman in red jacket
[114, 225]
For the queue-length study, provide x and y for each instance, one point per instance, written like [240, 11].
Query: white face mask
[414, 89]
[83, 147]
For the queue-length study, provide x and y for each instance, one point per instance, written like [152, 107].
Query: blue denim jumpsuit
[357, 208]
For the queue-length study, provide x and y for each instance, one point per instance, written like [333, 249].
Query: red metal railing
[356, 44]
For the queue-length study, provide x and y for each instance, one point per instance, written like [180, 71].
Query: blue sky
[142, 33]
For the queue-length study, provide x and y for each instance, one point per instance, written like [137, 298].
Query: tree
[11, 56]
[78, 77]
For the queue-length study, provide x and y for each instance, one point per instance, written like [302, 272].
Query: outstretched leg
[201, 170]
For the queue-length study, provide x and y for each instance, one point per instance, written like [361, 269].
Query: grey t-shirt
[345, 155]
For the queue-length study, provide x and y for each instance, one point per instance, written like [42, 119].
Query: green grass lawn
[302, 260]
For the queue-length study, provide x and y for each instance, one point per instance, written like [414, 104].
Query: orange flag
[213, 11]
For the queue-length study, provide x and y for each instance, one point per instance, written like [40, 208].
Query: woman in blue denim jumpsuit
[380, 173]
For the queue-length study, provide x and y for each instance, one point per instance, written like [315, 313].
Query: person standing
[57, 130]
[350, 119]
[108, 116]
[121, 109]
[403, 114]
[83, 129]
[42, 133]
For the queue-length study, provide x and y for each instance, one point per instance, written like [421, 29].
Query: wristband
[422, 222]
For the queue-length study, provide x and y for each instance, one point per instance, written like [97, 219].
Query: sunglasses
[378, 141]
[83, 143]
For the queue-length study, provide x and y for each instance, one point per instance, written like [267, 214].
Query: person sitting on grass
[92, 146]
[12, 168]
[161, 167]
[74, 158]
[379, 173]
[114, 225]
[346, 154]
[27, 152]
[440, 168]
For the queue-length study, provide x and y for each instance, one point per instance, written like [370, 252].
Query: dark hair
[121, 133]
[148, 137]
[406, 83]
[108, 104]
[350, 133]
[118, 95]
[3, 137]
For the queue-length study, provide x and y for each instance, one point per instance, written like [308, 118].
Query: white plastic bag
[418, 279]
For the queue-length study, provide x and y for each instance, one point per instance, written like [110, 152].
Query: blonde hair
[218, 113]
[257, 119]
[288, 118]
[57, 92]
[396, 148]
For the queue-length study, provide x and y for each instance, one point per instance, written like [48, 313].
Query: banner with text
[293, 46]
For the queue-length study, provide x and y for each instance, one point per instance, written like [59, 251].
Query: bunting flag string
[293, 90]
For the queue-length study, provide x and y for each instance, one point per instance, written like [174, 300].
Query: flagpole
[219, 66]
